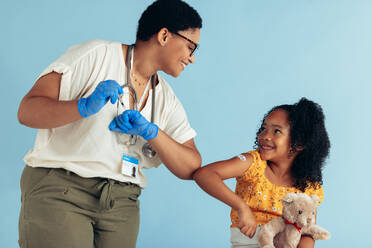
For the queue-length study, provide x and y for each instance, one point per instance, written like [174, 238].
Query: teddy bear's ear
[315, 199]
[288, 198]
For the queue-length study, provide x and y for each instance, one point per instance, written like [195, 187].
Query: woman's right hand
[247, 222]
[104, 91]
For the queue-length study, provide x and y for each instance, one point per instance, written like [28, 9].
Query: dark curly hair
[307, 130]
[175, 15]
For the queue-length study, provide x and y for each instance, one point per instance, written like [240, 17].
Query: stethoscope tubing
[147, 150]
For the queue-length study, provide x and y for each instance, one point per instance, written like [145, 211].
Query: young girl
[291, 146]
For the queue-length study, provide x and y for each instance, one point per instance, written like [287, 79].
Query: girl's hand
[247, 223]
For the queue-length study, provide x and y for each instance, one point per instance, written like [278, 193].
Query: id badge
[129, 166]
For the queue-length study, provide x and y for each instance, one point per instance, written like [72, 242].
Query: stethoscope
[147, 149]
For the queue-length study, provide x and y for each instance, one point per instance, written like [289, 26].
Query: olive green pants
[62, 209]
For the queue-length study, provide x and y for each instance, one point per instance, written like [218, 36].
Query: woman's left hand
[132, 122]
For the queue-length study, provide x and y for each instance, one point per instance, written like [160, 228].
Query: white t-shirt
[87, 147]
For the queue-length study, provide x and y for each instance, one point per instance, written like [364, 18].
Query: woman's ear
[163, 36]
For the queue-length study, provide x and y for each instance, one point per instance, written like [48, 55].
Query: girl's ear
[299, 148]
[295, 150]
[163, 36]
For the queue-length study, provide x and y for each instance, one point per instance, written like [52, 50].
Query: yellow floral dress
[263, 197]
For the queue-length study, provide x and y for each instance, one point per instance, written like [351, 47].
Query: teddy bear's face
[300, 209]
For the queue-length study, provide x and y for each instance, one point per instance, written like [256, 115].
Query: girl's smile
[274, 139]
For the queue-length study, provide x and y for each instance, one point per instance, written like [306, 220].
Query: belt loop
[105, 200]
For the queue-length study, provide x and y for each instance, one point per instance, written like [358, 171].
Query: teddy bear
[298, 219]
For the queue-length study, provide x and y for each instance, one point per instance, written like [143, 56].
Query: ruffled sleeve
[255, 170]
[317, 190]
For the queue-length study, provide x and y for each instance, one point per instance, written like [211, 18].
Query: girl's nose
[266, 135]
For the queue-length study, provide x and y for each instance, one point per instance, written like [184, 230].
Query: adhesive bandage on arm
[242, 157]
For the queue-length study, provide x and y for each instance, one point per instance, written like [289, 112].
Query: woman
[84, 175]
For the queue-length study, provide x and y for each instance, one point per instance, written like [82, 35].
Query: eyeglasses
[192, 49]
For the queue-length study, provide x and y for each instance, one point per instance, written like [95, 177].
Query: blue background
[253, 55]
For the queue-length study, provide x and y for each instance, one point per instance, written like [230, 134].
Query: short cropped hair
[175, 15]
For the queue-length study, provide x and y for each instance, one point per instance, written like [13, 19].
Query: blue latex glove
[132, 122]
[104, 91]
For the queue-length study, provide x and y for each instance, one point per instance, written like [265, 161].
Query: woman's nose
[192, 59]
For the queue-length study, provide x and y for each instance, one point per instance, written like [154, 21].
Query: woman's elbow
[24, 116]
[195, 166]
[199, 173]
[20, 115]
[188, 173]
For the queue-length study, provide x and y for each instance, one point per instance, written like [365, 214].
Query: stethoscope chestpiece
[148, 151]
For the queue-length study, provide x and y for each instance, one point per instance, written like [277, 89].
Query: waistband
[73, 174]
[104, 186]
